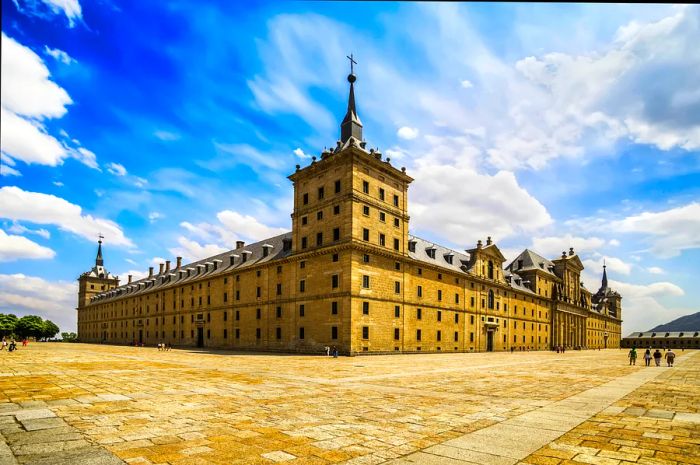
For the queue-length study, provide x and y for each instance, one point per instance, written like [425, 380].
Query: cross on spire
[352, 62]
[98, 260]
[100, 237]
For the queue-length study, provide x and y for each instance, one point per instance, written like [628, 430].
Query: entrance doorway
[200, 337]
[489, 341]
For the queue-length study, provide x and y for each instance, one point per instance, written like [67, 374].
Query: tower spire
[605, 276]
[351, 125]
[98, 259]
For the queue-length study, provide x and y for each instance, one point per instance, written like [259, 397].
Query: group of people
[657, 356]
[331, 351]
[162, 346]
[12, 345]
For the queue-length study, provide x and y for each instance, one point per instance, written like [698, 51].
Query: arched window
[490, 298]
[490, 269]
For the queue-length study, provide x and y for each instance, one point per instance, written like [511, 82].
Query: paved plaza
[93, 404]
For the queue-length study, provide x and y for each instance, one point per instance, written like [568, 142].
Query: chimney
[571, 251]
[488, 240]
[167, 266]
[129, 279]
[150, 271]
[563, 254]
[478, 244]
[161, 268]
[179, 262]
[240, 244]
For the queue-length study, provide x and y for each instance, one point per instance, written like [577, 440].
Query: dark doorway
[200, 337]
[489, 341]
[140, 336]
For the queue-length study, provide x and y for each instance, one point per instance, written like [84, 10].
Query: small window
[365, 258]
[397, 244]
[420, 291]
[456, 317]
[381, 194]
[279, 333]
[320, 193]
[279, 312]
[304, 220]
[365, 210]
[319, 239]
[258, 292]
[418, 335]
[334, 308]
[335, 257]
[279, 289]
[365, 234]
[334, 281]
[365, 281]
[225, 334]
[396, 200]
[396, 334]
[439, 295]
[419, 314]
[439, 335]
[302, 264]
[305, 200]
[365, 308]
[456, 337]
[382, 239]
[257, 333]
[365, 187]
[397, 223]
[301, 333]
[302, 286]
[336, 234]
[304, 243]
[334, 332]
[257, 313]
[382, 217]
[456, 298]
[336, 209]
[397, 287]
[365, 332]
[337, 186]
[397, 266]
[319, 215]
[397, 311]
[439, 315]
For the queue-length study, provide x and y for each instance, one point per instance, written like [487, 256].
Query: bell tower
[97, 280]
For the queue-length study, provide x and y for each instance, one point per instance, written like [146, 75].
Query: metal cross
[100, 236]
[352, 62]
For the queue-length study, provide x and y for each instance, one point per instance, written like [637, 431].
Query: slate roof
[531, 261]
[656, 335]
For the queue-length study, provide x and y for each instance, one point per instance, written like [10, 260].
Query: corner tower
[97, 280]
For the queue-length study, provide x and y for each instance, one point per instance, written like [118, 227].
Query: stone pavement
[75, 403]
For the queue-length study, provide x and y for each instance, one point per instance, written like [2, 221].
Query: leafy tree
[69, 337]
[30, 325]
[7, 324]
[49, 329]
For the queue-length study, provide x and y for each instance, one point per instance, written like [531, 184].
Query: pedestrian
[335, 352]
[647, 357]
[657, 358]
[670, 356]
[633, 356]
[4, 344]
[328, 351]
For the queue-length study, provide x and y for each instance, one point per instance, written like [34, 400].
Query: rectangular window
[420, 291]
[396, 334]
[306, 199]
[365, 308]
[258, 291]
[319, 215]
[301, 310]
[472, 301]
[439, 295]
[335, 257]
[397, 311]
[258, 314]
[419, 313]
[279, 288]
[334, 332]
[365, 210]
[365, 281]
[238, 333]
[382, 217]
[238, 315]
[321, 193]
[456, 317]
[334, 281]
[225, 334]
[279, 312]
[418, 335]
[301, 333]
[397, 287]
[439, 315]
[396, 223]
[471, 337]
[225, 297]
[365, 332]
[456, 337]
[439, 335]
[334, 308]
[365, 187]
[304, 220]
[304, 243]
[302, 286]
[397, 244]
[302, 264]
[279, 333]
[365, 258]
[337, 186]
[365, 234]
[397, 266]
[319, 239]
[257, 333]
[336, 209]
[336, 234]
[381, 194]
[382, 240]
[456, 298]
[396, 200]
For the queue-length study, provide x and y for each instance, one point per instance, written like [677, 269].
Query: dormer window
[233, 259]
[520, 264]
[431, 252]
[286, 244]
[244, 255]
[448, 258]
[411, 246]
[266, 249]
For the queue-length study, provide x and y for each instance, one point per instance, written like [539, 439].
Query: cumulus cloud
[300, 153]
[33, 207]
[20, 248]
[407, 133]
[7, 170]
[192, 250]
[553, 246]
[614, 264]
[30, 295]
[643, 305]
[59, 55]
[71, 9]
[116, 169]
[655, 270]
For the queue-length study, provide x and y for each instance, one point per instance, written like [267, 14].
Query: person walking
[633, 356]
[670, 356]
[647, 357]
[657, 358]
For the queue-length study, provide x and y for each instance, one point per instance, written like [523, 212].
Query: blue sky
[171, 128]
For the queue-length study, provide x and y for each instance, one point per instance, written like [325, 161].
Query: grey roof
[655, 335]
[531, 261]
[517, 282]
[210, 266]
[460, 260]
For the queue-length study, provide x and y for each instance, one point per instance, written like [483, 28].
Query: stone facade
[349, 275]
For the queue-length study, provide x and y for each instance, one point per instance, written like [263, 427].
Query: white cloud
[407, 133]
[466, 84]
[642, 306]
[246, 226]
[166, 135]
[6, 170]
[300, 153]
[19, 229]
[553, 246]
[58, 184]
[614, 264]
[30, 295]
[192, 250]
[140, 182]
[116, 169]
[656, 270]
[154, 216]
[59, 55]
[28, 141]
[86, 157]
[669, 231]
[135, 275]
[20, 205]
[614, 242]
[20, 248]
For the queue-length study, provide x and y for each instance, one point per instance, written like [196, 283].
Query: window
[279, 312]
[456, 317]
[279, 289]
[320, 193]
[336, 236]
[382, 239]
[456, 337]
[365, 210]
[396, 223]
[420, 271]
[301, 310]
[305, 200]
[279, 333]
[334, 308]
[225, 297]
[319, 215]
[456, 298]
[397, 266]
[303, 243]
[365, 332]
[258, 291]
[334, 332]
[302, 264]
[397, 244]
[301, 333]
[418, 335]
[439, 315]
[396, 200]
[337, 186]
[257, 314]
[381, 194]
[439, 295]
[365, 234]
[334, 281]
[439, 335]
[382, 217]
[238, 333]
[397, 287]
[335, 257]
[471, 337]
[336, 209]
[419, 314]
[365, 187]
[225, 334]
[397, 311]
[365, 308]
[365, 281]
[319, 239]
[238, 315]
[302, 286]
[490, 269]
[420, 291]
[396, 334]
[365, 258]
[471, 319]
[304, 220]
[257, 333]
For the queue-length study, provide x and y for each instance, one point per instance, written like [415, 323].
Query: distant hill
[684, 323]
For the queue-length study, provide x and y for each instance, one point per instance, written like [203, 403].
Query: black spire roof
[351, 125]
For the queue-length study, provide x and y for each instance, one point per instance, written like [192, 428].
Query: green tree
[7, 324]
[49, 329]
[30, 325]
[69, 337]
